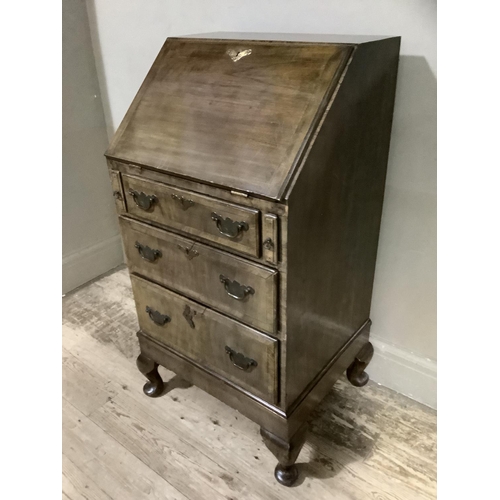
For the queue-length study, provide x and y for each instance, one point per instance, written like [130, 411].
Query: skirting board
[85, 265]
[404, 372]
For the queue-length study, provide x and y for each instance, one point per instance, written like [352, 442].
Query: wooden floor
[368, 443]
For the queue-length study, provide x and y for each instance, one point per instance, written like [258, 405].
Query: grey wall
[91, 244]
[127, 36]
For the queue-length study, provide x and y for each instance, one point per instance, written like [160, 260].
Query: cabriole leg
[286, 452]
[356, 372]
[154, 387]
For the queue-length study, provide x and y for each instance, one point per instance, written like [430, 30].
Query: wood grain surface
[333, 238]
[363, 444]
[229, 113]
[195, 217]
[205, 337]
[194, 270]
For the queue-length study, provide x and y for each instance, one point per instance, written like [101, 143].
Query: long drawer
[230, 225]
[228, 348]
[232, 285]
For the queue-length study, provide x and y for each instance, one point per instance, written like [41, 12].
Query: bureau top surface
[290, 37]
[234, 113]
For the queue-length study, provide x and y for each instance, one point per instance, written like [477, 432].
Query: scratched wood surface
[368, 443]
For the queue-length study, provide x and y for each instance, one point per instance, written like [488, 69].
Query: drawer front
[229, 225]
[231, 349]
[232, 285]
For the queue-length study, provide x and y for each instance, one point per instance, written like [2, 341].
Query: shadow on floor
[334, 439]
[175, 382]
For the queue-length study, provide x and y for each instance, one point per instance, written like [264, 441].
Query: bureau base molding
[362, 333]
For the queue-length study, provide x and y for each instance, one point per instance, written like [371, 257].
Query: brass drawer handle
[149, 254]
[157, 317]
[241, 361]
[228, 227]
[142, 200]
[183, 202]
[235, 290]
[189, 252]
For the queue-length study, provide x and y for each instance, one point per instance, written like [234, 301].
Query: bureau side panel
[335, 208]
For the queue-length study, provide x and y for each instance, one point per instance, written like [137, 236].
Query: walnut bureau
[249, 175]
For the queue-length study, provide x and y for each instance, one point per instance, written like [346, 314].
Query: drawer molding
[233, 226]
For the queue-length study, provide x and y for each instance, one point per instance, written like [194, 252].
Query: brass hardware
[228, 227]
[270, 237]
[235, 290]
[189, 315]
[143, 200]
[184, 202]
[157, 317]
[236, 55]
[238, 193]
[241, 361]
[268, 244]
[147, 253]
[189, 252]
[117, 195]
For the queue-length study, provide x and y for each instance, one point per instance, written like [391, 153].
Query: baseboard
[404, 372]
[85, 265]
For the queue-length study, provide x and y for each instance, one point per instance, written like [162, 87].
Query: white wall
[128, 34]
[91, 243]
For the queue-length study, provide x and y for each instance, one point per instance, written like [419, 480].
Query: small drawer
[235, 351]
[230, 284]
[215, 220]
